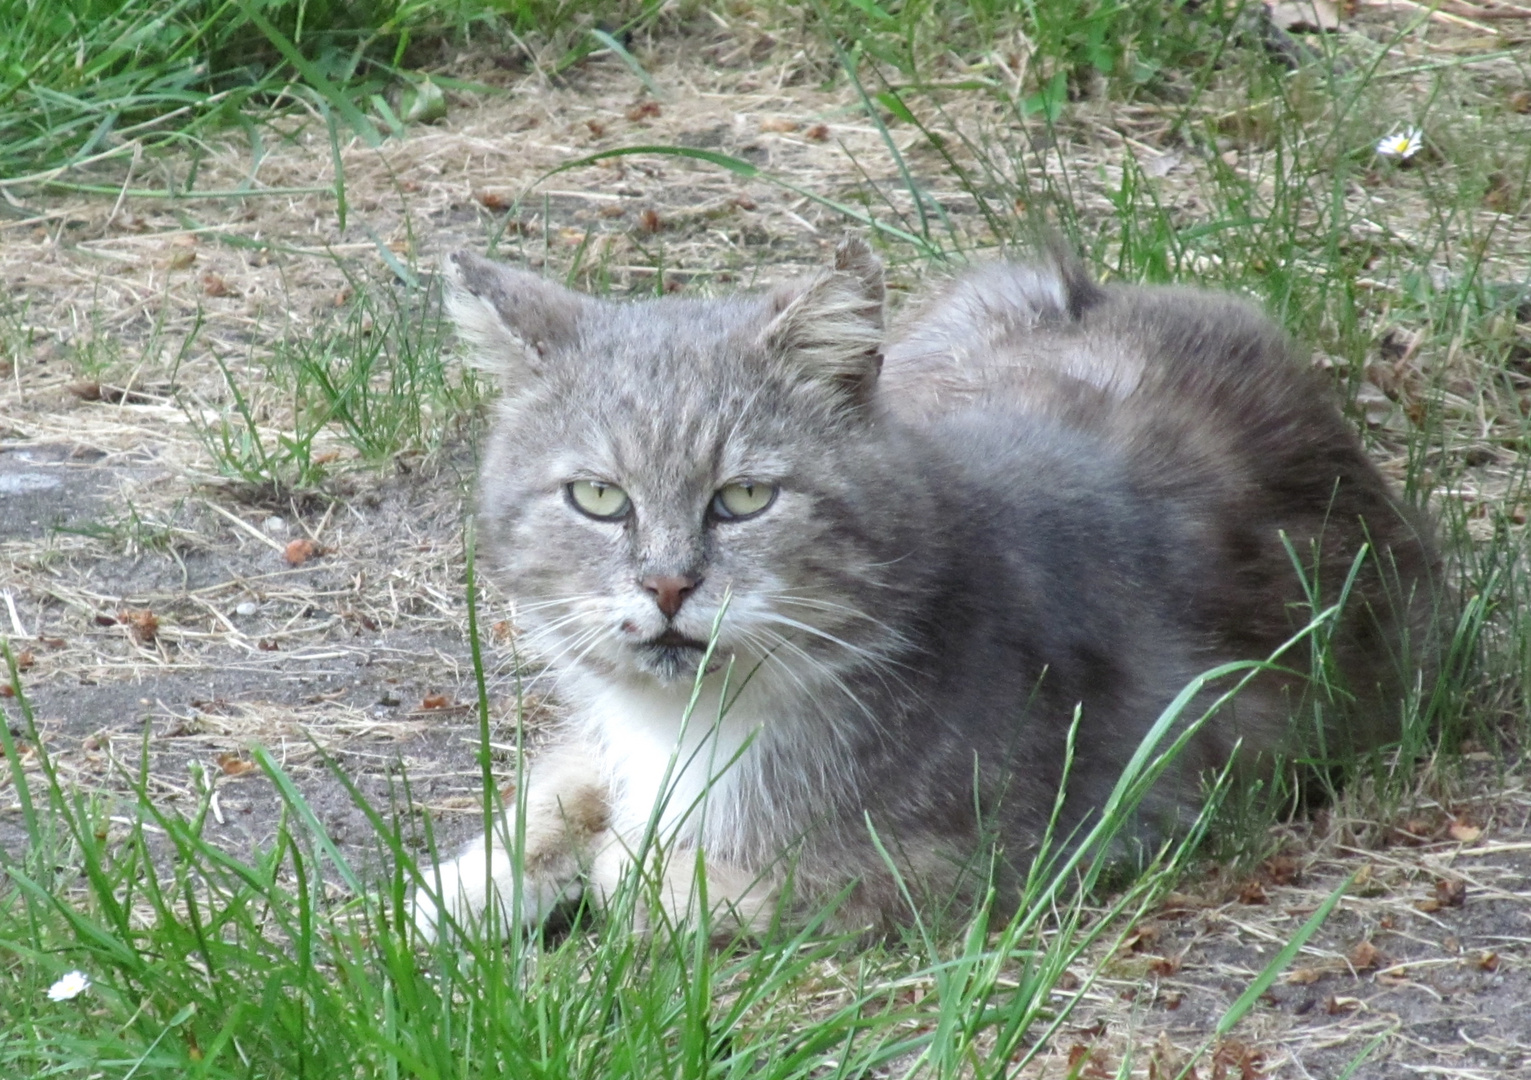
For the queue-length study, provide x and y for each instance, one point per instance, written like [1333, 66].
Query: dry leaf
[1164, 966]
[1335, 1005]
[214, 285]
[1451, 893]
[643, 110]
[436, 701]
[142, 625]
[1236, 1058]
[1488, 960]
[25, 659]
[1252, 892]
[1282, 869]
[7, 690]
[1365, 956]
[491, 200]
[181, 258]
[234, 765]
[649, 220]
[597, 128]
[1463, 830]
[300, 551]
[818, 132]
[1304, 976]
[614, 210]
[1166, 1060]
[778, 123]
[85, 390]
[502, 631]
[268, 645]
[1305, 16]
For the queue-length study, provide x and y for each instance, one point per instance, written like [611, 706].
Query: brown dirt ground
[1430, 954]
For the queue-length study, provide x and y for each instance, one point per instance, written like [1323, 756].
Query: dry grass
[1430, 953]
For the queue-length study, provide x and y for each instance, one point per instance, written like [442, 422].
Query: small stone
[275, 525]
[246, 608]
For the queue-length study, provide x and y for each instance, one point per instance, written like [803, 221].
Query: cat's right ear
[511, 319]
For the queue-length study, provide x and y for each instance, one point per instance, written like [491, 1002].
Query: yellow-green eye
[598, 499]
[744, 499]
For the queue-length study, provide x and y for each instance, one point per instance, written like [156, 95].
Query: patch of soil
[164, 626]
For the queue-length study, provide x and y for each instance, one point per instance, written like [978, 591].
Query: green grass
[294, 962]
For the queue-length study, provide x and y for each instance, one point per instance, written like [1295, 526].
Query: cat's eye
[598, 499]
[743, 499]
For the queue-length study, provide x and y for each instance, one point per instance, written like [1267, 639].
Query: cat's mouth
[674, 655]
[674, 639]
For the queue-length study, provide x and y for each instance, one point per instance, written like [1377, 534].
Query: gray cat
[917, 563]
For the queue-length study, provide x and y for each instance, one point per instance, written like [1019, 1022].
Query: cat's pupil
[743, 499]
[598, 499]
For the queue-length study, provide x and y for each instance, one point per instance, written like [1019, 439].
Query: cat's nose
[670, 590]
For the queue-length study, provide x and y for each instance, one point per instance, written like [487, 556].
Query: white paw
[482, 892]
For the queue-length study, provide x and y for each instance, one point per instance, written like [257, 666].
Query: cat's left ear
[831, 323]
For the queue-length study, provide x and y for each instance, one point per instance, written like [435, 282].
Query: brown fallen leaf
[25, 659]
[1463, 831]
[1334, 1005]
[301, 550]
[1365, 956]
[778, 123]
[181, 258]
[214, 285]
[1236, 1058]
[1164, 966]
[1304, 976]
[1488, 960]
[649, 220]
[818, 132]
[1252, 892]
[644, 110]
[143, 624]
[234, 765]
[597, 129]
[85, 390]
[7, 690]
[1451, 893]
[436, 701]
[491, 200]
[1282, 869]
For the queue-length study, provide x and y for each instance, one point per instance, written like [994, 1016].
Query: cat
[824, 605]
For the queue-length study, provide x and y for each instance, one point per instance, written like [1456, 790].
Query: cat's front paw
[483, 893]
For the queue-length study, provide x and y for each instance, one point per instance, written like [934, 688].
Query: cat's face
[668, 473]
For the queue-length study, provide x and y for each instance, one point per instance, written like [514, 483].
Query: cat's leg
[738, 900]
[566, 811]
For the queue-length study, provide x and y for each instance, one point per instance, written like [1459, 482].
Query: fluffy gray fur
[1041, 497]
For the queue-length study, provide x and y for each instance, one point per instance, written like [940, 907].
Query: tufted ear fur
[510, 319]
[831, 323]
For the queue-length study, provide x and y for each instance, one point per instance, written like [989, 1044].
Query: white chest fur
[693, 772]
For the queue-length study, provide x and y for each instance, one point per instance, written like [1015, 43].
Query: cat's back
[1206, 415]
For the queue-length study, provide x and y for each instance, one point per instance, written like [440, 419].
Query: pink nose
[670, 590]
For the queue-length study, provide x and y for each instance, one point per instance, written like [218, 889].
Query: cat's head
[664, 470]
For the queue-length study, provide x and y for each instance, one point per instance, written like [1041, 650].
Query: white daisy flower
[70, 986]
[1401, 144]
